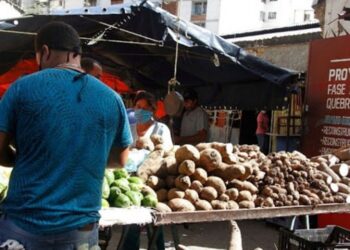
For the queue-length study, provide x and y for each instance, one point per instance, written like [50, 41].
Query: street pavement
[215, 235]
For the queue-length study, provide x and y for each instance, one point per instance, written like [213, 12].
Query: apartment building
[219, 16]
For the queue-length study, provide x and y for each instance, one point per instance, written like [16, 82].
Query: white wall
[185, 9]
[213, 15]
[7, 11]
[333, 25]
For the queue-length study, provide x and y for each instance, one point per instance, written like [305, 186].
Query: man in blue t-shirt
[66, 127]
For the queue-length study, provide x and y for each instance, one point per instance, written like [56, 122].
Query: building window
[307, 16]
[262, 16]
[199, 8]
[264, 1]
[201, 24]
[272, 15]
[273, 0]
[88, 3]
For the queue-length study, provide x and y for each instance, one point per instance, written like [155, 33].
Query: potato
[144, 143]
[175, 193]
[233, 193]
[219, 205]
[304, 200]
[202, 146]
[191, 195]
[230, 172]
[182, 205]
[245, 196]
[224, 197]
[200, 175]
[232, 205]
[170, 181]
[210, 159]
[155, 183]
[151, 165]
[208, 193]
[187, 152]
[157, 139]
[171, 165]
[183, 182]
[217, 183]
[246, 204]
[244, 185]
[203, 205]
[187, 167]
[197, 186]
[163, 208]
[162, 195]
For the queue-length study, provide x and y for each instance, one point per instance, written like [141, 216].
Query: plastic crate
[329, 238]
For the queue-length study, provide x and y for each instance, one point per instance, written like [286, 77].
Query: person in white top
[146, 125]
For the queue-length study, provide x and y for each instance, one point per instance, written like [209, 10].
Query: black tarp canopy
[222, 73]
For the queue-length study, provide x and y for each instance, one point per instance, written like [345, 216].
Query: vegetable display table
[231, 216]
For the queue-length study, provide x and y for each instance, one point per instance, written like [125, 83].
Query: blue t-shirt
[64, 129]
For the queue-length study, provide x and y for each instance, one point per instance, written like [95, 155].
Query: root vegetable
[175, 193]
[187, 167]
[200, 175]
[346, 197]
[144, 143]
[208, 193]
[157, 139]
[229, 172]
[216, 204]
[325, 168]
[182, 205]
[343, 154]
[232, 205]
[334, 187]
[341, 169]
[151, 165]
[155, 182]
[232, 193]
[338, 199]
[170, 181]
[304, 200]
[203, 205]
[224, 197]
[183, 182]
[245, 196]
[202, 146]
[163, 208]
[268, 202]
[197, 186]
[162, 195]
[216, 183]
[191, 195]
[187, 152]
[245, 185]
[343, 188]
[246, 204]
[171, 165]
[210, 159]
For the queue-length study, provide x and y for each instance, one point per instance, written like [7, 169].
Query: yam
[182, 205]
[203, 205]
[144, 143]
[200, 175]
[244, 185]
[175, 193]
[304, 200]
[187, 167]
[170, 181]
[197, 186]
[208, 193]
[268, 202]
[217, 183]
[232, 193]
[163, 208]
[170, 165]
[155, 182]
[202, 146]
[343, 154]
[245, 196]
[343, 188]
[224, 197]
[151, 165]
[157, 139]
[246, 204]
[219, 205]
[323, 167]
[341, 169]
[183, 182]
[191, 195]
[187, 152]
[210, 159]
[162, 195]
[232, 205]
[229, 172]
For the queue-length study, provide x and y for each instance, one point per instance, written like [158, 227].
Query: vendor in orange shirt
[261, 129]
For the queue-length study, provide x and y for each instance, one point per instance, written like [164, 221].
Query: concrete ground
[214, 235]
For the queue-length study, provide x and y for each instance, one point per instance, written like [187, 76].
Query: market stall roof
[138, 44]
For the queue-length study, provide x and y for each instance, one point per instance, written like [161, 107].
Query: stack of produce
[121, 190]
[222, 176]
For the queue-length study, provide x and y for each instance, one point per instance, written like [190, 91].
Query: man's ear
[45, 52]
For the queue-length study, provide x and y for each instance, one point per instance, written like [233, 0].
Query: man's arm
[200, 136]
[118, 157]
[7, 154]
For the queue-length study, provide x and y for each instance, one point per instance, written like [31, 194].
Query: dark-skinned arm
[118, 157]
[200, 136]
[7, 154]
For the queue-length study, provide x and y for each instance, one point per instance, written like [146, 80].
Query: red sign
[327, 116]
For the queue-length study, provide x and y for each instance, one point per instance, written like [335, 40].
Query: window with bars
[272, 15]
[199, 8]
[262, 16]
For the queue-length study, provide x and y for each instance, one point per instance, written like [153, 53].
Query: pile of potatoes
[222, 176]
